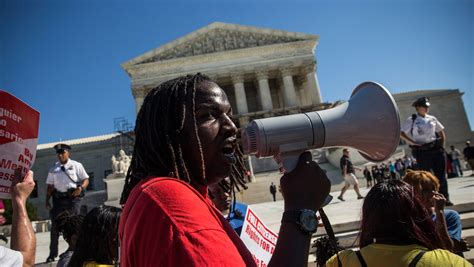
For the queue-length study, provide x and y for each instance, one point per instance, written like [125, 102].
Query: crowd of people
[92, 240]
[186, 164]
[377, 173]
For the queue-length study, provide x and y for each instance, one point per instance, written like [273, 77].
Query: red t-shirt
[166, 222]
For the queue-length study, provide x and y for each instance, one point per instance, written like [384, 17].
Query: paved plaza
[461, 190]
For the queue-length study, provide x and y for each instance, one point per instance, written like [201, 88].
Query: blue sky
[63, 57]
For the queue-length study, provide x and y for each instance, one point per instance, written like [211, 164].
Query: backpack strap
[361, 259]
[330, 233]
[416, 259]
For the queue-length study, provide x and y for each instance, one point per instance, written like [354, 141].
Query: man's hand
[306, 187]
[460, 246]
[439, 201]
[23, 237]
[412, 142]
[77, 192]
[407, 139]
[47, 205]
[21, 188]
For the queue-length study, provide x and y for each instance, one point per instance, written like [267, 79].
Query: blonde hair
[421, 180]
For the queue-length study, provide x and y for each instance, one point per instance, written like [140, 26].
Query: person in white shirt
[426, 137]
[407, 162]
[66, 181]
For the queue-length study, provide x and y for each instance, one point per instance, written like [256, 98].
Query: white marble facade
[260, 69]
[267, 73]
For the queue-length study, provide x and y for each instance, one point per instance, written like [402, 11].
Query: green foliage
[32, 212]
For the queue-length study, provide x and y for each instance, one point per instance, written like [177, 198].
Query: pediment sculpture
[219, 40]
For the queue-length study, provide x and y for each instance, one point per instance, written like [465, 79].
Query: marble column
[264, 94]
[313, 84]
[239, 90]
[138, 104]
[139, 95]
[252, 176]
[289, 93]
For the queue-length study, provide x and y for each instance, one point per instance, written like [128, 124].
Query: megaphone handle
[327, 200]
[288, 161]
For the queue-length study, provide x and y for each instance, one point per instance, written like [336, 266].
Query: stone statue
[124, 162]
[120, 164]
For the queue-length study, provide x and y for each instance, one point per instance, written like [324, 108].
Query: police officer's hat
[422, 102]
[60, 148]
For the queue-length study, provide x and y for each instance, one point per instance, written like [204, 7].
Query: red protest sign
[19, 125]
[258, 238]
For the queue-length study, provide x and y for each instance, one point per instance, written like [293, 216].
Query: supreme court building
[264, 72]
[267, 73]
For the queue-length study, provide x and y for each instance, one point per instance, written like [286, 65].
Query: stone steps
[467, 220]
[463, 207]
[468, 234]
[349, 239]
[468, 255]
[347, 233]
[466, 212]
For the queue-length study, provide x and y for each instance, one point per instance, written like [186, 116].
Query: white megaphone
[368, 122]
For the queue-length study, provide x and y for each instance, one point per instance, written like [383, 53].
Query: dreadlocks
[158, 149]
[69, 224]
[98, 238]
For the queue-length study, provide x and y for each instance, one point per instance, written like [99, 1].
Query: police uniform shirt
[424, 128]
[60, 180]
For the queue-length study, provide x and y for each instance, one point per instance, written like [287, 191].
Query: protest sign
[258, 239]
[18, 139]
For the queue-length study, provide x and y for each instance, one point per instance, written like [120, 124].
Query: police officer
[426, 137]
[66, 182]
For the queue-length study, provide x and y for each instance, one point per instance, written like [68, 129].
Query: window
[91, 181]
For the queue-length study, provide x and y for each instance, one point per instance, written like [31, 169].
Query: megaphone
[368, 122]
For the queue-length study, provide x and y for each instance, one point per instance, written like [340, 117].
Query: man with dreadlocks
[186, 141]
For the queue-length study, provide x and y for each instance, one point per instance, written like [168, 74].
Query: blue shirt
[453, 222]
[236, 216]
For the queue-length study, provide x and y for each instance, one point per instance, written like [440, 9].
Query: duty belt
[58, 194]
[428, 146]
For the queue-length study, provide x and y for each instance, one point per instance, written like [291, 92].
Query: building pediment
[219, 37]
